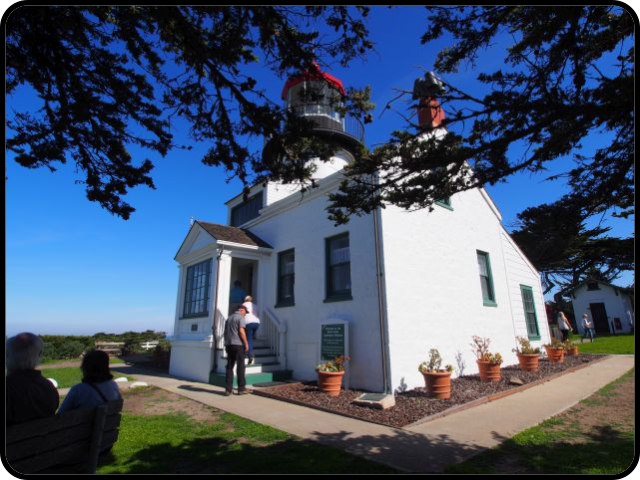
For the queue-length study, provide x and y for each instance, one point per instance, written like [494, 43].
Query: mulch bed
[414, 406]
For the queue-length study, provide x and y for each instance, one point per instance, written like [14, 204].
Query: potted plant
[555, 351]
[571, 348]
[528, 355]
[488, 363]
[330, 375]
[436, 379]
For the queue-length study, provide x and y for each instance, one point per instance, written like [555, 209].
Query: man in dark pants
[236, 345]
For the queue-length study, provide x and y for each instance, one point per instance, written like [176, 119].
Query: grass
[67, 376]
[560, 446]
[227, 444]
[50, 361]
[611, 344]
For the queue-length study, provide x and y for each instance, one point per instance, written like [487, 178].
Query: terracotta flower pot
[489, 372]
[529, 362]
[573, 351]
[555, 355]
[438, 384]
[330, 382]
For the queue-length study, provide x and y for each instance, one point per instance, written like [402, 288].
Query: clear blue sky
[72, 268]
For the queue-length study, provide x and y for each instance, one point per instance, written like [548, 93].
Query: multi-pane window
[196, 292]
[486, 281]
[286, 278]
[338, 268]
[246, 211]
[529, 312]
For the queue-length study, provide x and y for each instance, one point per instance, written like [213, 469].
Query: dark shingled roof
[233, 234]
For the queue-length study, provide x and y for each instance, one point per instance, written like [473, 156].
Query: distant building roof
[570, 290]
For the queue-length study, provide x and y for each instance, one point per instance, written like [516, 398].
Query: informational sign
[333, 340]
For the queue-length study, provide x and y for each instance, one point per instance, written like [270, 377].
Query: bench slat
[72, 439]
[52, 441]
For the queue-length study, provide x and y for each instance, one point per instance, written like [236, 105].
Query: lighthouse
[318, 96]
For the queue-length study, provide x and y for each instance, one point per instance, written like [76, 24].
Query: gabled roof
[570, 290]
[226, 233]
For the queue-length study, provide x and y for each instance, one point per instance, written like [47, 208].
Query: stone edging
[317, 407]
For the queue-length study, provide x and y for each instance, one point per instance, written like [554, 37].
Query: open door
[244, 278]
[599, 316]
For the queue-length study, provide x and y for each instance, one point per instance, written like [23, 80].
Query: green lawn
[613, 344]
[49, 361]
[225, 444]
[68, 376]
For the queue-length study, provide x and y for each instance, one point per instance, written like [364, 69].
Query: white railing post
[276, 336]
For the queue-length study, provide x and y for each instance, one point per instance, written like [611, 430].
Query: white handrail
[275, 331]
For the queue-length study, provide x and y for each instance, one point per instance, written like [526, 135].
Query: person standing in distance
[588, 327]
[564, 326]
[236, 346]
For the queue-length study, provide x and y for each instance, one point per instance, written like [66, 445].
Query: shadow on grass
[404, 450]
[605, 451]
[233, 445]
[220, 456]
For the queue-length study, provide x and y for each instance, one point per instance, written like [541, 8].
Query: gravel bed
[414, 405]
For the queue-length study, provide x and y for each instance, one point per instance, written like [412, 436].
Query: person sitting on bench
[97, 385]
[28, 394]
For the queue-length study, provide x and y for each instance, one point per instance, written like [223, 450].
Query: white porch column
[181, 274]
[222, 295]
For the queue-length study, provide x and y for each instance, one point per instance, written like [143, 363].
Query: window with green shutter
[531, 319]
[486, 280]
[338, 268]
[286, 278]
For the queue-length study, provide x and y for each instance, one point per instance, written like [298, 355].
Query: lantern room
[318, 96]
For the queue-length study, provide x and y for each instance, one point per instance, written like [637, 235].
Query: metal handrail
[348, 125]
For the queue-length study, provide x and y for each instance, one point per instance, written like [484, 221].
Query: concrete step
[260, 367]
[219, 379]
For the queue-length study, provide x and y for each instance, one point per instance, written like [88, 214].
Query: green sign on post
[333, 340]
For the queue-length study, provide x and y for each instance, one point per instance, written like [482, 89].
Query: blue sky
[73, 268]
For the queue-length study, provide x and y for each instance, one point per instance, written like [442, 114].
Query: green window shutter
[338, 268]
[286, 278]
[486, 279]
[530, 316]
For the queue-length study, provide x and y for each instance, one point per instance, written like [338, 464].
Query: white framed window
[338, 268]
[196, 292]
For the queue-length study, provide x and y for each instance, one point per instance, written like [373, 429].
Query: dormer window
[245, 211]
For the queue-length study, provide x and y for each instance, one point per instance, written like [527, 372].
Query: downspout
[215, 311]
[382, 311]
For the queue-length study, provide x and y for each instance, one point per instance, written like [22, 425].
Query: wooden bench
[67, 443]
[110, 348]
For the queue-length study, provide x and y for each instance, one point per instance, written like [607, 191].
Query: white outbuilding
[609, 307]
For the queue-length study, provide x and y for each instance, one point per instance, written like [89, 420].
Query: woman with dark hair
[97, 385]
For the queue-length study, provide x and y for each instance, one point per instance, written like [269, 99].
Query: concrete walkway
[428, 447]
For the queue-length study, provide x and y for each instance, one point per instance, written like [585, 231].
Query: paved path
[428, 447]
